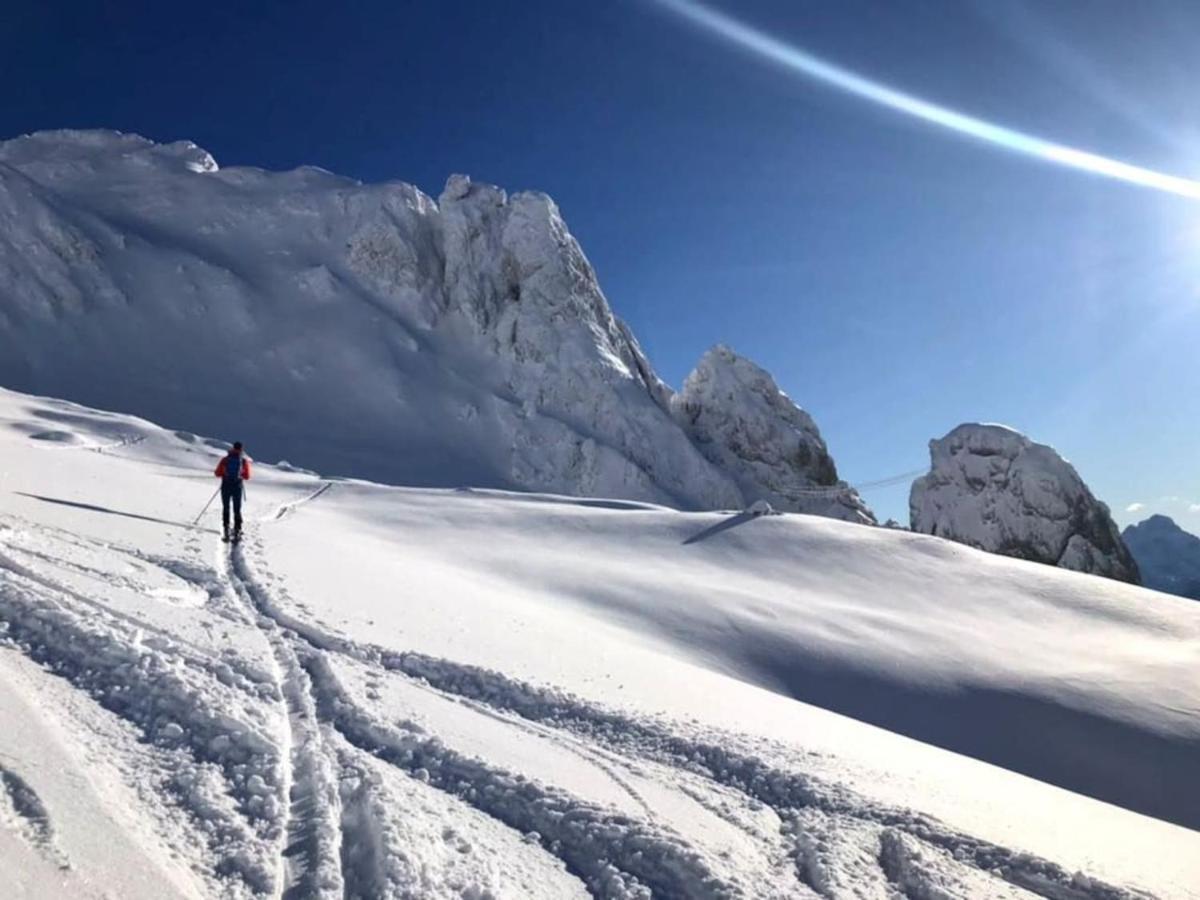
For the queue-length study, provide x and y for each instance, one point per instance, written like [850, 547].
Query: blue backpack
[233, 468]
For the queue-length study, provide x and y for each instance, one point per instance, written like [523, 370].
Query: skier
[233, 469]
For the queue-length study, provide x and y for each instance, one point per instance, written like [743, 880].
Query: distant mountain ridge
[1168, 556]
[369, 330]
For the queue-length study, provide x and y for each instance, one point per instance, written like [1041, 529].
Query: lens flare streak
[802, 62]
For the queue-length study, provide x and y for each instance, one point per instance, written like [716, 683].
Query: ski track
[278, 763]
[567, 742]
[314, 833]
[615, 855]
[310, 832]
[362, 853]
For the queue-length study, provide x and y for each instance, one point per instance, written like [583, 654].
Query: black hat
[237, 445]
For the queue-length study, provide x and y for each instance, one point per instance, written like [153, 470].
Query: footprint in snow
[23, 812]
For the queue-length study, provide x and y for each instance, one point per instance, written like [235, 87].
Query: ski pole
[207, 505]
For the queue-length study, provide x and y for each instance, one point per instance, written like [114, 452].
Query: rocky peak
[993, 488]
[747, 426]
[1167, 556]
[1157, 523]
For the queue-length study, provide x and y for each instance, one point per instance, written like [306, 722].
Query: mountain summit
[1168, 556]
[367, 329]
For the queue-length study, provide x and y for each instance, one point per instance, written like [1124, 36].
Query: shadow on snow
[90, 507]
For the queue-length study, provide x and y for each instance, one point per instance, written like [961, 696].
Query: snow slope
[393, 692]
[363, 329]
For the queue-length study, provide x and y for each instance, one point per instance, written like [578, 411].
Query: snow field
[390, 693]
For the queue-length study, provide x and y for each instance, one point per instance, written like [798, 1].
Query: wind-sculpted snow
[359, 329]
[993, 488]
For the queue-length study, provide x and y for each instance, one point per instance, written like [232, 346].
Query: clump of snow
[993, 488]
[748, 427]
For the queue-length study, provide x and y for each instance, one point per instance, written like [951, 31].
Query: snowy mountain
[364, 329]
[993, 488]
[1167, 556]
[388, 692]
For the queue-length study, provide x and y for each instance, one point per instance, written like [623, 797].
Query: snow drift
[993, 488]
[364, 329]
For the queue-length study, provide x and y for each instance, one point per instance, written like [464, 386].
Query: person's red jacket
[220, 473]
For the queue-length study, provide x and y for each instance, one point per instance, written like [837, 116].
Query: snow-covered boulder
[760, 508]
[365, 329]
[748, 427]
[993, 488]
[1167, 556]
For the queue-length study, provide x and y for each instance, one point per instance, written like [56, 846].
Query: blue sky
[896, 278]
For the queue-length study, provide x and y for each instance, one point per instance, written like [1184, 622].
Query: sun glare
[804, 63]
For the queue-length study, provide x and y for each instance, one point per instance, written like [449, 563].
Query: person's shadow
[91, 507]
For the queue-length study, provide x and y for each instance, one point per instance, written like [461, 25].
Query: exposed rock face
[992, 488]
[745, 425]
[1167, 556]
[357, 329]
[593, 412]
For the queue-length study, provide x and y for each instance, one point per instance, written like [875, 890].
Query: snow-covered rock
[1167, 556]
[366, 329]
[760, 508]
[993, 488]
[748, 427]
